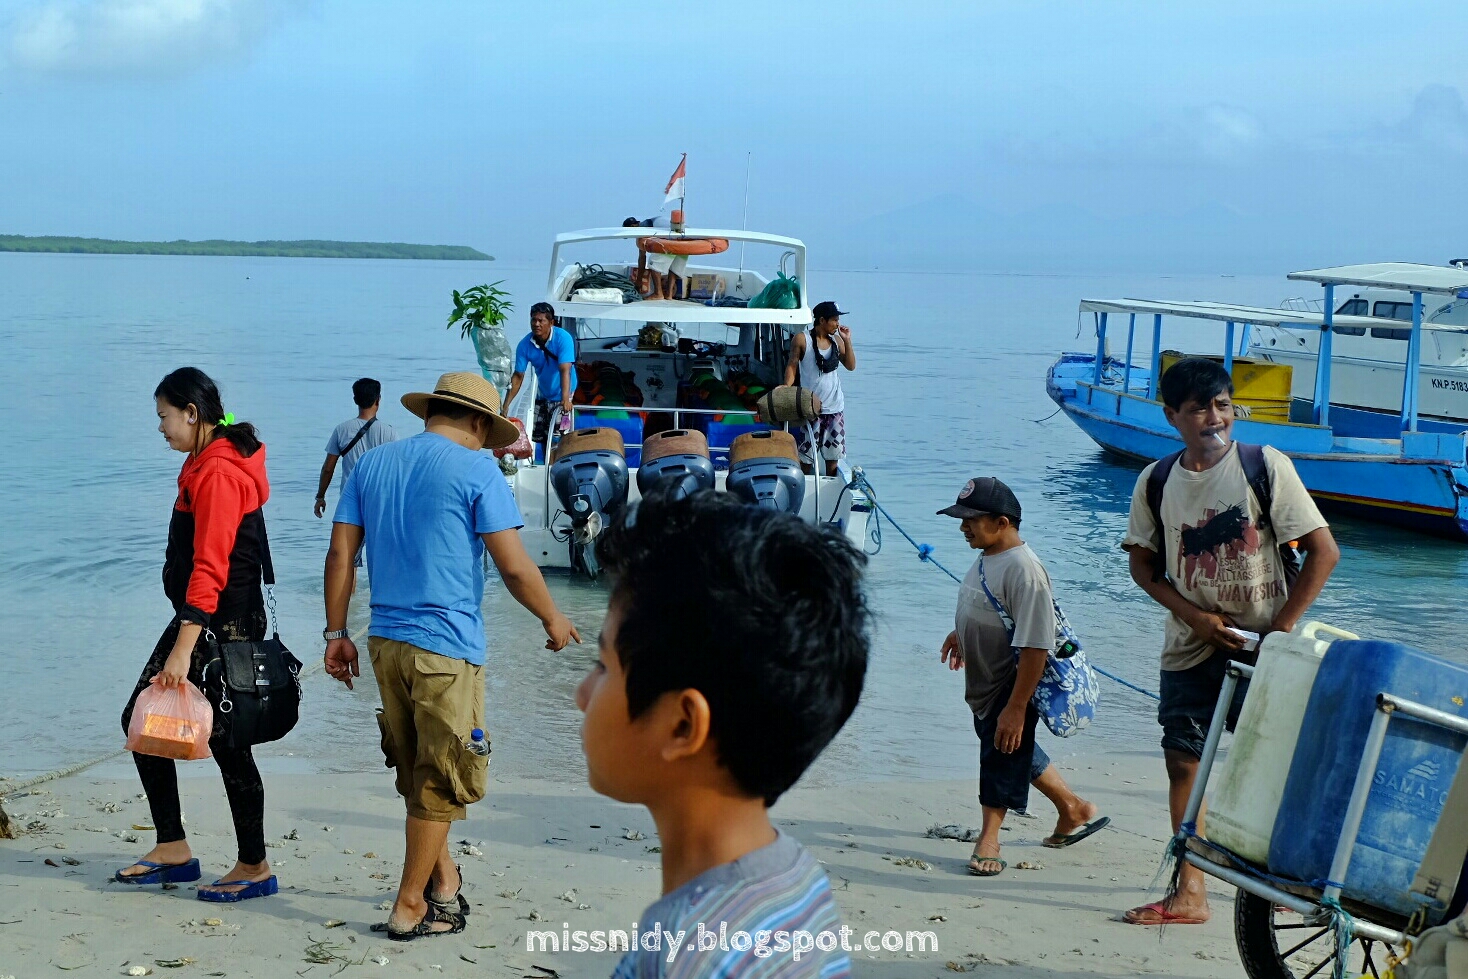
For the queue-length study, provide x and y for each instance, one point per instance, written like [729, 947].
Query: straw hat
[472, 391]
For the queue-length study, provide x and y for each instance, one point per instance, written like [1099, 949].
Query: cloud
[1438, 120]
[139, 36]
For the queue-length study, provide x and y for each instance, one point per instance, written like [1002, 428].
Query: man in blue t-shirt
[552, 352]
[432, 505]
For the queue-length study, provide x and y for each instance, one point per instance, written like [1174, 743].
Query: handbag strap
[267, 574]
[358, 437]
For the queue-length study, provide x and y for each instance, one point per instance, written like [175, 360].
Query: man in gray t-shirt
[352, 438]
[1003, 662]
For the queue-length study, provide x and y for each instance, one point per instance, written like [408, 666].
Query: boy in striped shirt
[734, 648]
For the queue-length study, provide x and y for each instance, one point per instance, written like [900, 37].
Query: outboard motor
[589, 473]
[679, 458]
[764, 471]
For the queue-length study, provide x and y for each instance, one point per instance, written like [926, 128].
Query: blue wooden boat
[1390, 467]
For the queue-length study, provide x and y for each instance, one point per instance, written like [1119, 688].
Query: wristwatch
[330, 634]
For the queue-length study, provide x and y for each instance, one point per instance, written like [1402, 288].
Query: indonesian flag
[674, 190]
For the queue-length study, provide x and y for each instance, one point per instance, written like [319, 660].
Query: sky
[1026, 136]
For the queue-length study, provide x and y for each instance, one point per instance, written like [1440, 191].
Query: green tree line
[270, 249]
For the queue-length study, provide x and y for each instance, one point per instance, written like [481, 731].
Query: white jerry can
[1242, 808]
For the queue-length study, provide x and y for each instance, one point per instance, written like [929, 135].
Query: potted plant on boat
[481, 313]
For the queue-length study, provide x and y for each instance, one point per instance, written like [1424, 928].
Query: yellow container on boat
[1260, 386]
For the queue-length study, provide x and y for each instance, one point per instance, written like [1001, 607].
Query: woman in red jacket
[211, 575]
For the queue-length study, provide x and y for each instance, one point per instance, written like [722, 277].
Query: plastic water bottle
[477, 742]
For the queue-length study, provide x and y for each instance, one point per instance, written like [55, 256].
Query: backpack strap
[1257, 473]
[1156, 480]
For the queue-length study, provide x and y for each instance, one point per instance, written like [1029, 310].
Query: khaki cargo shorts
[430, 703]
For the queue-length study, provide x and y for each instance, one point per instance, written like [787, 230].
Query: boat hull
[1419, 482]
[1376, 385]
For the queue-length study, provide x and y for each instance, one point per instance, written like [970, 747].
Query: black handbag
[256, 686]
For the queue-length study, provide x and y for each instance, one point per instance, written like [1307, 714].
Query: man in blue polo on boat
[551, 352]
[1211, 539]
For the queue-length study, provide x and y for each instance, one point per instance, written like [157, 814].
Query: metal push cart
[1293, 929]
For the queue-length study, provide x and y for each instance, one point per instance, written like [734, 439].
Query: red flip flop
[1165, 917]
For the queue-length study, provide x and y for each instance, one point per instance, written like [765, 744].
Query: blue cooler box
[1412, 778]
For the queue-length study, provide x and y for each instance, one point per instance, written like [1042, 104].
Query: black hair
[544, 308]
[1194, 379]
[448, 409]
[762, 613]
[191, 386]
[366, 392]
[631, 223]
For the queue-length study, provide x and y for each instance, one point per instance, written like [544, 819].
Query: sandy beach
[546, 853]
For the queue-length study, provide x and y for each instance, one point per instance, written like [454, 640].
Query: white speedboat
[677, 377]
[1367, 363]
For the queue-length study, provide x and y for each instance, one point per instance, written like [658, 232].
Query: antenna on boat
[744, 225]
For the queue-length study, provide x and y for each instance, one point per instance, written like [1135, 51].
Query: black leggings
[242, 782]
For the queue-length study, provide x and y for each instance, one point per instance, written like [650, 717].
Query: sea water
[949, 385]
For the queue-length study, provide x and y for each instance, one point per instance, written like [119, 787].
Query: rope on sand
[6, 789]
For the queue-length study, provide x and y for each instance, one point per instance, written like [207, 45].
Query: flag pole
[744, 225]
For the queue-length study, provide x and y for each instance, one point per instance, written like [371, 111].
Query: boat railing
[1302, 305]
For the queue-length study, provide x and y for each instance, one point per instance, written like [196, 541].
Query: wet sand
[550, 852]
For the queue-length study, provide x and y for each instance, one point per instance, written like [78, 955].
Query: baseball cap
[826, 310]
[984, 494]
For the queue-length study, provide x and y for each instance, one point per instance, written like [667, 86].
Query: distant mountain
[270, 249]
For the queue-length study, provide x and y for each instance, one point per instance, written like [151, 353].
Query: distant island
[268, 249]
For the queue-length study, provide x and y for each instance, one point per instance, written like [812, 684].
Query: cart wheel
[1279, 944]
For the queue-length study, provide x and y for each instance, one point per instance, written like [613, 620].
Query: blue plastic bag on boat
[1068, 692]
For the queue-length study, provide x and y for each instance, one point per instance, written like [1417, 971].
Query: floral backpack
[1067, 694]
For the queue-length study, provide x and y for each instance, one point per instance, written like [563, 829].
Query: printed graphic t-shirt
[559, 349]
[423, 502]
[1020, 582]
[1218, 556]
[767, 895]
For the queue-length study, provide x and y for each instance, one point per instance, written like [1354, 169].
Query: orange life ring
[683, 246]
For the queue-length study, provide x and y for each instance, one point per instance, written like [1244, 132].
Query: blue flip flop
[162, 873]
[256, 888]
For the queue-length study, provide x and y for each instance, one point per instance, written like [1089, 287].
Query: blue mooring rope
[925, 554]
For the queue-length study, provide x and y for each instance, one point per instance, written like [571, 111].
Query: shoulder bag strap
[358, 437]
[998, 606]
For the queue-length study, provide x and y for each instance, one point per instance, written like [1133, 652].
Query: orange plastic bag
[171, 722]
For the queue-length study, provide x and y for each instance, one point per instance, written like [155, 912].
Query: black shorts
[1004, 780]
[1189, 698]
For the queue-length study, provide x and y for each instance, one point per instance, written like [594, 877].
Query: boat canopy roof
[1289, 319]
[1405, 276]
[678, 311]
